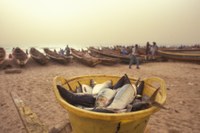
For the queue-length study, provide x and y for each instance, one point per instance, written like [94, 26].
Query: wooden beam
[29, 118]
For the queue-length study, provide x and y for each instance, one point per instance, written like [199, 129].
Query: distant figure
[67, 50]
[134, 57]
[55, 51]
[148, 46]
[124, 51]
[61, 52]
[154, 49]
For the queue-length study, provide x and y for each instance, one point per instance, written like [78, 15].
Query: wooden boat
[111, 53]
[182, 55]
[85, 58]
[38, 56]
[57, 57]
[20, 56]
[105, 60]
[116, 54]
[2, 55]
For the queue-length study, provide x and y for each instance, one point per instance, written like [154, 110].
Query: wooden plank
[29, 118]
[11, 71]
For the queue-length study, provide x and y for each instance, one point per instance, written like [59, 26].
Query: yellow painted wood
[29, 118]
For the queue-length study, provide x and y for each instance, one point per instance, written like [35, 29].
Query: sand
[34, 86]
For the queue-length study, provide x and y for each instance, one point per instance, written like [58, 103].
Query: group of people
[65, 52]
[151, 51]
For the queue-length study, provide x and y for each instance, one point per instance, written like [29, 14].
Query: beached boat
[124, 58]
[20, 56]
[85, 58]
[2, 55]
[111, 53]
[38, 56]
[63, 59]
[105, 60]
[182, 55]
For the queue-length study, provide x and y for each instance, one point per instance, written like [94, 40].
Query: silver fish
[86, 89]
[98, 87]
[124, 96]
[104, 97]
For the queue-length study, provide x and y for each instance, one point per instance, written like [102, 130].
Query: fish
[86, 100]
[105, 97]
[140, 88]
[98, 87]
[146, 102]
[119, 83]
[78, 90]
[122, 81]
[103, 110]
[137, 82]
[85, 108]
[136, 106]
[92, 83]
[124, 96]
[86, 89]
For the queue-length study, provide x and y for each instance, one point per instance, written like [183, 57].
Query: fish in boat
[104, 97]
[98, 87]
[103, 110]
[146, 102]
[86, 89]
[125, 95]
[76, 98]
[92, 83]
[122, 81]
[140, 88]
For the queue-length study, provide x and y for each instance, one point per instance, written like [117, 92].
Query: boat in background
[105, 60]
[2, 55]
[181, 55]
[111, 53]
[63, 59]
[115, 54]
[85, 58]
[38, 56]
[20, 57]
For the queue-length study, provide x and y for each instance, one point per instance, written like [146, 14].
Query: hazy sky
[99, 21]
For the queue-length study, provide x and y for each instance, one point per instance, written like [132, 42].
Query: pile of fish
[108, 98]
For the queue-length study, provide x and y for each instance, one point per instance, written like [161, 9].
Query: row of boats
[94, 56]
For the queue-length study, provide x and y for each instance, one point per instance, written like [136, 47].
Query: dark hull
[38, 56]
[56, 57]
[20, 57]
[92, 62]
[105, 60]
[112, 53]
[2, 55]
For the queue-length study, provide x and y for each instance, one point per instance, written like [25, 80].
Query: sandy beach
[34, 86]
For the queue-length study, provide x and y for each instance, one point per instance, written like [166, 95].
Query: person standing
[154, 50]
[148, 46]
[134, 57]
